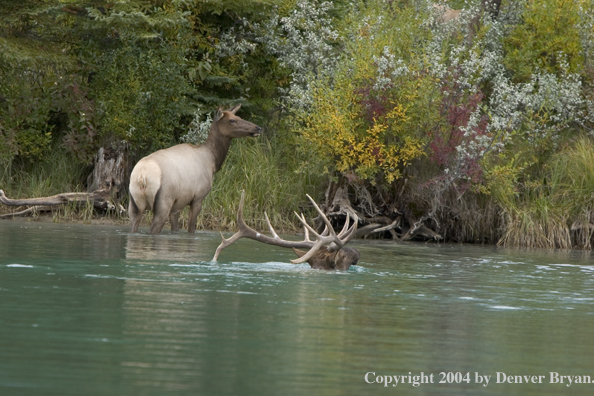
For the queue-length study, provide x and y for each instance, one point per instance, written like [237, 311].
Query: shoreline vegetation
[466, 121]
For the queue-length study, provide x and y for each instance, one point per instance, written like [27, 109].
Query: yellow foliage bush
[370, 117]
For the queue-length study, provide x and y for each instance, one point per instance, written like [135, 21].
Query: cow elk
[170, 179]
[326, 252]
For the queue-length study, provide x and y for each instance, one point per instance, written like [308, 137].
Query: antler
[328, 238]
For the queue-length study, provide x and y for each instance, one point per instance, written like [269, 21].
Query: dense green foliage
[481, 126]
[547, 39]
[369, 117]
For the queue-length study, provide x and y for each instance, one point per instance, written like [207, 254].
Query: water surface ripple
[95, 310]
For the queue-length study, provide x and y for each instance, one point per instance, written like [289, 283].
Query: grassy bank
[558, 211]
[552, 209]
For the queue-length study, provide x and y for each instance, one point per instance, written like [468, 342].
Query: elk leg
[135, 214]
[195, 208]
[174, 219]
[157, 224]
[160, 216]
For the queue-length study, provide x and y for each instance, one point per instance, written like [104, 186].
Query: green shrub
[369, 118]
[547, 39]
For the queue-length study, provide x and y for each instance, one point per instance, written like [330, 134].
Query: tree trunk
[107, 186]
[110, 173]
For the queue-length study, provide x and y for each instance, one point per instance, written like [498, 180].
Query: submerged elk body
[327, 252]
[169, 180]
[325, 259]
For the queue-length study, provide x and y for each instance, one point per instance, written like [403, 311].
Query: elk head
[326, 252]
[232, 126]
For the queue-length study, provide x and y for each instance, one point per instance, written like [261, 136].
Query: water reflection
[169, 247]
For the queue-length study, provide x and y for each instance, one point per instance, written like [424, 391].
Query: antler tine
[239, 234]
[331, 237]
[240, 209]
[306, 226]
[226, 242]
[350, 233]
[345, 227]
[326, 221]
[305, 232]
[270, 228]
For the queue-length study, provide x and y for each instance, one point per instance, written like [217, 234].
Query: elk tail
[141, 181]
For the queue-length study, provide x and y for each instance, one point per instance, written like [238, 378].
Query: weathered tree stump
[107, 185]
[110, 172]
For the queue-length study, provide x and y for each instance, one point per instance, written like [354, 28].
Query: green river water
[95, 310]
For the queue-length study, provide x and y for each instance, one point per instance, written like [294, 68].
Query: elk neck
[218, 144]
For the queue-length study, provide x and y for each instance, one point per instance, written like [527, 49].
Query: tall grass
[52, 174]
[539, 223]
[573, 174]
[560, 213]
[272, 179]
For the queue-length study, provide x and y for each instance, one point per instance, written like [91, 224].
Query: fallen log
[26, 212]
[367, 230]
[99, 199]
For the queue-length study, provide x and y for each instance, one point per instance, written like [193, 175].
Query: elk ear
[219, 114]
[234, 109]
[298, 252]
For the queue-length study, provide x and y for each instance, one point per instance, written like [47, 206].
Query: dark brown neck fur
[340, 260]
[218, 144]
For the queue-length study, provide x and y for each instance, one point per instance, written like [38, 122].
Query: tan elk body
[168, 180]
[446, 14]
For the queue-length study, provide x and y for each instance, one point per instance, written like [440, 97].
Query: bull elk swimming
[327, 252]
[168, 180]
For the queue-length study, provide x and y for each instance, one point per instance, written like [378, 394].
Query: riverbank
[66, 216]
[462, 130]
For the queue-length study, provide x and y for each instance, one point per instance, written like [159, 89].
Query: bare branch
[26, 212]
[99, 199]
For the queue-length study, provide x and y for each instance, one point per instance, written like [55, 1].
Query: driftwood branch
[368, 229]
[99, 199]
[26, 212]
[390, 226]
[375, 219]
[107, 184]
[418, 228]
